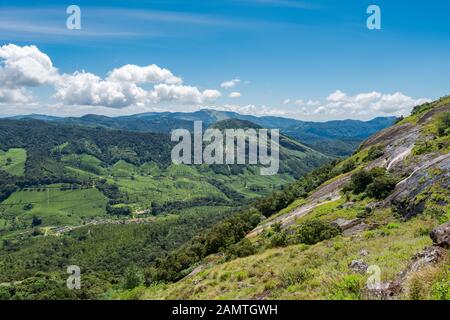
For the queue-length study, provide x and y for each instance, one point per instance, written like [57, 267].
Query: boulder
[358, 266]
[441, 235]
[344, 224]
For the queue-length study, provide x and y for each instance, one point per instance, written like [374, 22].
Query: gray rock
[363, 252]
[441, 235]
[348, 205]
[358, 266]
[344, 224]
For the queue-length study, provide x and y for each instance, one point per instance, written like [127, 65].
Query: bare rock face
[441, 235]
[358, 266]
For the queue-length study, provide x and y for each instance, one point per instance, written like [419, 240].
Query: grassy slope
[321, 271]
[55, 207]
[17, 157]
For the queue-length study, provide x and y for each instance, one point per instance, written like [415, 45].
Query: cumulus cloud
[183, 94]
[22, 67]
[27, 66]
[13, 95]
[363, 104]
[234, 95]
[84, 88]
[148, 74]
[230, 84]
[286, 101]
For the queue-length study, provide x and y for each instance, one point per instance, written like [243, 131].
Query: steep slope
[364, 233]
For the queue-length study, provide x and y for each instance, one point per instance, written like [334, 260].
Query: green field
[13, 161]
[53, 206]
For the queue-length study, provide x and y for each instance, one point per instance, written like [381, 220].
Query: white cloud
[336, 96]
[366, 104]
[83, 88]
[211, 95]
[286, 101]
[25, 66]
[13, 95]
[183, 94]
[149, 74]
[234, 95]
[230, 84]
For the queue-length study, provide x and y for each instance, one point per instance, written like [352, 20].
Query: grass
[53, 206]
[300, 272]
[13, 161]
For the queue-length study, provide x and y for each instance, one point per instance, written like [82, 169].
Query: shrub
[441, 290]
[374, 152]
[292, 277]
[241, 249]
[380, 187]
[314, 231]
[36, 221]
[443, 124]
[133, 278]
[359, 181]
[279, 239]
[377, 183]
[349, 288]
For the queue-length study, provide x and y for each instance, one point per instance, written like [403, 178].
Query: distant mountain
[333, 138]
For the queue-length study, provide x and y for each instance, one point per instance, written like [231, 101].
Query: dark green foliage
[381, 187]
[134, 277]
[241, 249]
[36, 221]
[119, 210]
[376, 183]
[217, 239]
[278, 239]
[314, 231]
[443, 124]
[374, 152]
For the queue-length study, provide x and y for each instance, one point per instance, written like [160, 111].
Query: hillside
[333, 138]
[376, 227]
[80, 189]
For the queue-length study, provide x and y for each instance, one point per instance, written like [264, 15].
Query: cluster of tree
[219, 238]
[376, 183]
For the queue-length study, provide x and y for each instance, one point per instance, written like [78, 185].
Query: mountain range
[333, 138]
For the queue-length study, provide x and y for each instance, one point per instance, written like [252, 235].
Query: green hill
[328, 234]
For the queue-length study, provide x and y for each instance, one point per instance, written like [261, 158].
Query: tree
[133, 277]
[36, 221]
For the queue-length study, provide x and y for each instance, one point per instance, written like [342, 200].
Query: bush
[350, 287]
[241, 249]
[314, 231]
[374, 153]
[279, 239]
[381, 187]
[289, 278]
[359, 181]
[377, 183]
[133, 278]
[36, 221]
[443, 124]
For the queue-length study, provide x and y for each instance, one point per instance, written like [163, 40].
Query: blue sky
[304, 59]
